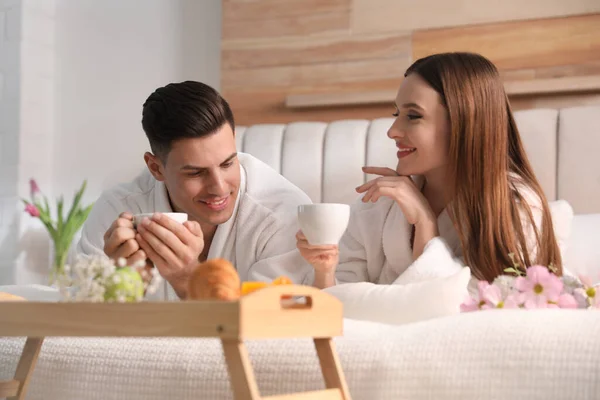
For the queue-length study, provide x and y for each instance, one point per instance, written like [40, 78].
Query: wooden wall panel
[521, 44]
[294, 18]
[312, 75]
[273, 49]
[294, 51]
[393, 15]
[268, 106]
[241, 10]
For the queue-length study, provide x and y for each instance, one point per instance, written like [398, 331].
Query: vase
[58, 259]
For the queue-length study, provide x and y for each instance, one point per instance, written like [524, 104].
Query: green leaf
[47, 207]
[59, 212]
[76, 200]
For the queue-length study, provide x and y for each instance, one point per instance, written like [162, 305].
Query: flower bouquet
[63, 230]
[100, 279]
[538, 287]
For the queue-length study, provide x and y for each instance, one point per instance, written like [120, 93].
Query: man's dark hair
[183, 110]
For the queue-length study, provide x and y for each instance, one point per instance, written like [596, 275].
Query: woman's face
[421, 129]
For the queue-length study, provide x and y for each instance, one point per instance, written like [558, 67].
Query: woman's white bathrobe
[259, 238]
[376, 245]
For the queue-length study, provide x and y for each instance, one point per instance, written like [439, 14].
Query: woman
[463, 185]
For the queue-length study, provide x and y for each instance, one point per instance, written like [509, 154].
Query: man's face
[202, 176]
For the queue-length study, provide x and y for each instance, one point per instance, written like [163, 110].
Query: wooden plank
[519, 45]
[27, 362]
[339, 99]
[244, 10]
[584, 69]
[9, 388]
[260, 105]
[578, 84]
[310, 76]
[555, 101]
[327, 394]
[321, 316]
[147, 319]
[387, 15]
[287, 25]
[283, 116]
[241, 374]
[331, 366]
[268, 106]
[570, 84]
[318, 49]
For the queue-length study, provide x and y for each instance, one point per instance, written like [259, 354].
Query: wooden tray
[266, 313]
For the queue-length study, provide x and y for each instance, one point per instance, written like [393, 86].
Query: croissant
[214, 279]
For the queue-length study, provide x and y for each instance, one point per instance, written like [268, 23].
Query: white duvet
[508, 354]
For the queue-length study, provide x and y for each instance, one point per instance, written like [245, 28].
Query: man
[238, 207]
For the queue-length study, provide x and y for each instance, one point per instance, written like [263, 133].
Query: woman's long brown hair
[487, 163]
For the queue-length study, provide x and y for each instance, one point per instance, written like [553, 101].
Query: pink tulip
[34, 188]
[32, 210]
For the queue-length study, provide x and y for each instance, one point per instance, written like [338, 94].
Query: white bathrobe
[259, 238]
[376, 245]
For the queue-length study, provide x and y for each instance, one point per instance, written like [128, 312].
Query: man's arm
[103, 214]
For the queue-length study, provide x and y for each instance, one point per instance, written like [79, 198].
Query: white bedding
[508, 354]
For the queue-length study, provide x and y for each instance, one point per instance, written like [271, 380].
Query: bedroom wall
[331, 59]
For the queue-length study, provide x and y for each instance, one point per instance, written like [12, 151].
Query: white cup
[323, 223]
[179, 217]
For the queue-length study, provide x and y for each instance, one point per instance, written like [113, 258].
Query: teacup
[179, 217]
[323, 223]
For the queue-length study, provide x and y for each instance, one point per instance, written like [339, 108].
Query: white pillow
[562, 219]
[401, 304]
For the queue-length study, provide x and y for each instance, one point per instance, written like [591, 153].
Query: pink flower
[492, 296]
[470, 304]
[475, 303]
[32, 210]
[539, 287]
[488, 296]
[596, 301]
[565, 300]
[34, 189]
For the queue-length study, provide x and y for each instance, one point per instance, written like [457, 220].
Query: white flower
[506, 284]
[121, 262]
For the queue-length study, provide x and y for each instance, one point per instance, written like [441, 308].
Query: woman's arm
[425, 230]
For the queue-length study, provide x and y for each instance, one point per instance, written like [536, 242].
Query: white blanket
[498, 354]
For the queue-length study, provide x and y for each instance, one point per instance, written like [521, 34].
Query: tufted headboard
[325, 159]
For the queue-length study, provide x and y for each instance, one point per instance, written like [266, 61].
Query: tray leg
[29, 357]
[241, 373]
[330, 366]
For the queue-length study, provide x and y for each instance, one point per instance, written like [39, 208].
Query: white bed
[487, 355]
[484, 355]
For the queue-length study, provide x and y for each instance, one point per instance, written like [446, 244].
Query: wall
[355, 51]
[10, 26]
[80, 71]
[110, 56]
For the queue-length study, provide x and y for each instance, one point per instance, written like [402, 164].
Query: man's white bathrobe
[376, 245]
[259, 238]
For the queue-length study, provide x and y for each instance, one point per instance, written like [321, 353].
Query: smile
[216, 204]
[405, 151]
